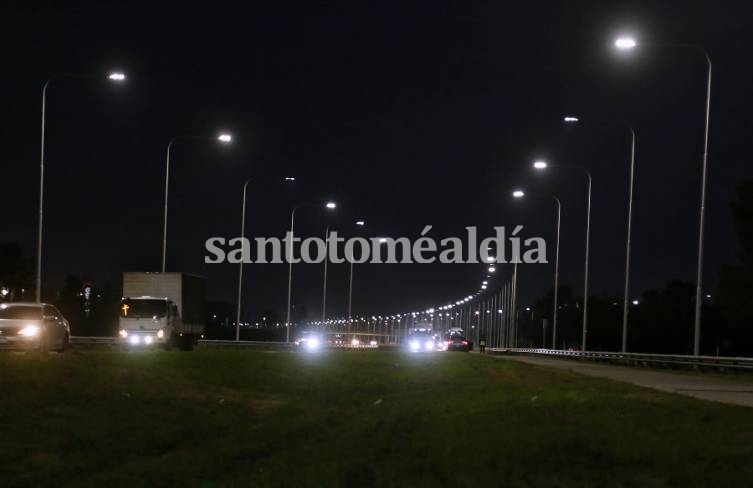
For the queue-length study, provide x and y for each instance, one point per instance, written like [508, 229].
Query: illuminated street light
[625, 43]
[570, 119]
[289, 178]
[556, 263]
[330, 206]
[518, 194]
[541, 165]
[40, 222]
[492, 269]
[223, 138]
[360, 223]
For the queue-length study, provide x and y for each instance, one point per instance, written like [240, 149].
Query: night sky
[405, 114]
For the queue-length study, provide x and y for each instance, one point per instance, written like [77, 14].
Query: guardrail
[641, 359]
[220, 343]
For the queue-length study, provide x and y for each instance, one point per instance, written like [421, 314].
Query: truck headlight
[122, 333]
[429, 345]
[134, 340]
[161, 333]
[148, 339]
[414, 345]
[312, 343]
[30, 330]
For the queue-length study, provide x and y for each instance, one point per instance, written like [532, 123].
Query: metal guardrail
[219, 343]
[641, 359]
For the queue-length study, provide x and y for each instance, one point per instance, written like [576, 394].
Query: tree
[735, 288]
[15, 268]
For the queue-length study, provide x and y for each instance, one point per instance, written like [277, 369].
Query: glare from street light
[518, 194]
[225, 138]
[570, 119]
[625, 43]
[540, 164]
[116, 76]
[331, 205]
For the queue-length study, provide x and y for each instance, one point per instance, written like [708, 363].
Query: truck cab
[148, 320]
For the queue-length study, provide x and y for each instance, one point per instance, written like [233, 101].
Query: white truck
[162, 308]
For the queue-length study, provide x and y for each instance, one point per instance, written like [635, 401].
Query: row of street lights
[627, 44]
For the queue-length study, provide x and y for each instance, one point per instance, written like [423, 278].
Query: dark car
[458, 343]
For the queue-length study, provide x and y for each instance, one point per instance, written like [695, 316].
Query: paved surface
[705, 387]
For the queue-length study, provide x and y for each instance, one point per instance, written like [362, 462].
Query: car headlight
[134, 339]
[312, 343]
[161, 333]
[30, 330]
[355, 342]
[429, 345]
[414, 345]
[148, 339]
[122, 333]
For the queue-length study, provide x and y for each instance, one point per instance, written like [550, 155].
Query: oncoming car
[310, 340]
[424, 340]
[33, 326]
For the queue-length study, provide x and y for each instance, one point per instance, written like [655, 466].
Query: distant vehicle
[456, 342]
[423, 340]
[310, 340]
[33, 326]
[162, 308]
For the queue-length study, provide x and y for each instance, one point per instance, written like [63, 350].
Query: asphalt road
[705, 387]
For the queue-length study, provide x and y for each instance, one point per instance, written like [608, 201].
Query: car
[458, 343]
[310, 340]
[28, 325]
[423, 341]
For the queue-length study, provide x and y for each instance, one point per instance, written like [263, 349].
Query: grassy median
[350, 418]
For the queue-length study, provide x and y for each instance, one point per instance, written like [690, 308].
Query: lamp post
[324, 284]
[628, 43]
[521, 194]
[328, 205]
[628, 241]
[359, 223]
[115, 76]
[542, 165]
[223, 138]
[240, 265]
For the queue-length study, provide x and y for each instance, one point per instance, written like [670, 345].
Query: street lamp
[115, 76]
[541, 165]
[328, 205]
[520, 194]
[240, 265]
[628, 241]
[224, 139]
[626, 43]
[359, 223]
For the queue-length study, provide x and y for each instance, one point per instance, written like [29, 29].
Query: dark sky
[405, 114]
